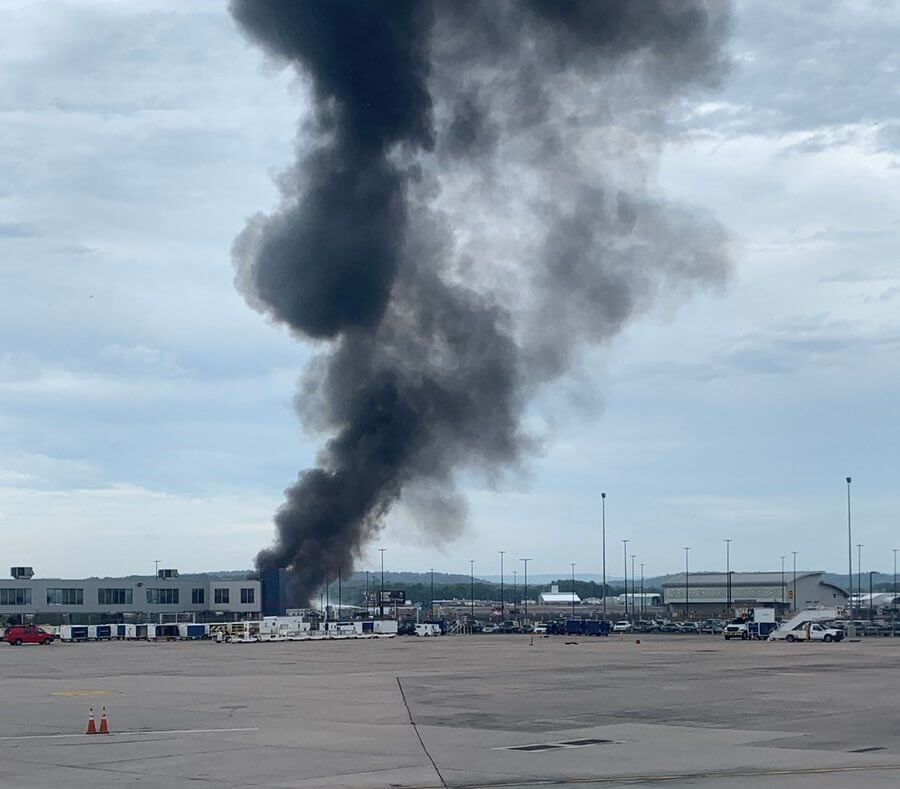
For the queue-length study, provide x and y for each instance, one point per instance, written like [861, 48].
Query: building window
[247, 596]
[198, 596]
[65, 597]
[15, 596]
[221, 596]
[115, 596]
[162, 596]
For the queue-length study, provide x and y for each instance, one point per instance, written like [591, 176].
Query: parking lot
[468, 711]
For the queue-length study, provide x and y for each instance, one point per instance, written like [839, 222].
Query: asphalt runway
[467, 711]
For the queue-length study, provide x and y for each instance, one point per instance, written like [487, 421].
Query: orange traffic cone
[104, 726]
[92, 729]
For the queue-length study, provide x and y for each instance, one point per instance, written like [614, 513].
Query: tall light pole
[859, 547]
[849, 552]
[603, 505]
[633, 606]
[642, 590]
[367, 593]
[782, 584]
[431, 607]
[795, 581]
[894, 601]
[625, 555]
[381, 593]
[472, 593]
[573, 589]
[515, 600]
[340, 596]
[526, 588]
[156, 568]
[502, 604]
[687, 584]
[728, 574]
[871, 595]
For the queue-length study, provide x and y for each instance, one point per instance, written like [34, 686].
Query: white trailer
[283, 628]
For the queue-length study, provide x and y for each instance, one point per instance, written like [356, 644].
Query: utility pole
[849, 553]
[472, 595]
[625, 554]
[795, 581]
[381, 594]
[728, 574]
[526, 588]
[573, 589]
[603, 505]
[687, 585]
[502, 604]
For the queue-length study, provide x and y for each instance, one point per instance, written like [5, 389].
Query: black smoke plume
[470, 208]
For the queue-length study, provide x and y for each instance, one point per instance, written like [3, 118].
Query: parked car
[689, 627]
[490, 629]
[540, 629]
[669, 627]
[27, 634]
[622, 627]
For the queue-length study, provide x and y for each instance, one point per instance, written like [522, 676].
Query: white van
[428, 630]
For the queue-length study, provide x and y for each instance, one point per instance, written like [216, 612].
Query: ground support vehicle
[27, 634]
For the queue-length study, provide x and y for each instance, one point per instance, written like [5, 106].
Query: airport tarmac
[467, 711]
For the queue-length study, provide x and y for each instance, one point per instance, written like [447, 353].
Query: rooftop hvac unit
[21, 572]
[168, 573]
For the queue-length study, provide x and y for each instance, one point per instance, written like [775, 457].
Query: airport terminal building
[133, 598]
[707, 594]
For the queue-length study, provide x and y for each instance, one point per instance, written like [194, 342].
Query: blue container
[196, 631]
[79, 633]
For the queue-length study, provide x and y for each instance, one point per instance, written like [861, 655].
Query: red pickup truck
[26, 634]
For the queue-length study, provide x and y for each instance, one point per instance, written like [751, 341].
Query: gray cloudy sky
[146, 411]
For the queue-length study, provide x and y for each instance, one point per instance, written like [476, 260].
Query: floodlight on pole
[603, 506]
[849, 552]
[625, 554]
[859, 547]
[525, 597]
[502, 603]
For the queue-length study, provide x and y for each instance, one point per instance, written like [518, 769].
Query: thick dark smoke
[471, 207]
